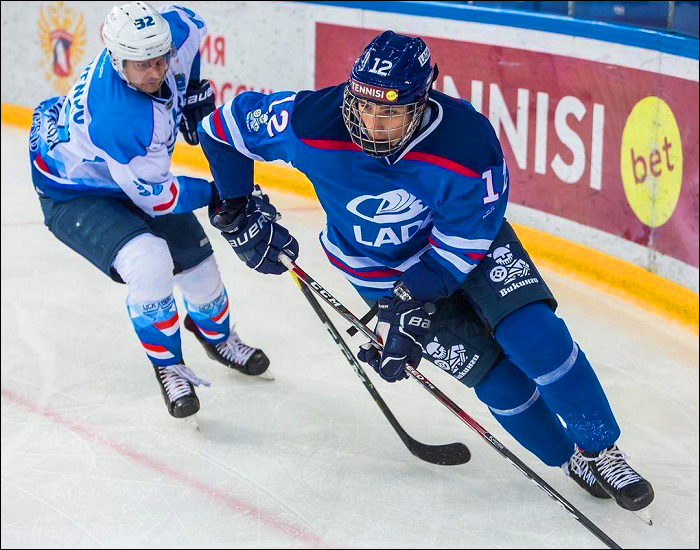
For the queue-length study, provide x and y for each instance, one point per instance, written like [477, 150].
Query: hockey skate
[577, 469]
[629, 489]
[177, 386]
[233, 353]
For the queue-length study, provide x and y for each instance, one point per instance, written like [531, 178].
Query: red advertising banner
[609, 147]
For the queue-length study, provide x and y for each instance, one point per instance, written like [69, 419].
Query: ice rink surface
[90, 457]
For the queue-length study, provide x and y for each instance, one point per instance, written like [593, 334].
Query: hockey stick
[449, 454]
[451, 405]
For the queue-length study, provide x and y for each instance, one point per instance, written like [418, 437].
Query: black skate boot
[233, 353]
[176, 384]
[577, 469]
[630, 490]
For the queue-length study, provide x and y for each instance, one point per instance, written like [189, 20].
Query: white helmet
[135, 32]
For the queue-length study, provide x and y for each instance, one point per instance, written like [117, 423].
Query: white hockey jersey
[106, 138]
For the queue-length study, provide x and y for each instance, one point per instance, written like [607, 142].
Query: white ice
[90, 457]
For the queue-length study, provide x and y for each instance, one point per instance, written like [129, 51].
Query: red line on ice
[146, 461]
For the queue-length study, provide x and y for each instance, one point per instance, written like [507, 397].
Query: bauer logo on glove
[402, 327]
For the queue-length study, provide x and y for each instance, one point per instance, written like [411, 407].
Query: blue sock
[212, 318]
[158, 328]
[514, 400]
[538, 342]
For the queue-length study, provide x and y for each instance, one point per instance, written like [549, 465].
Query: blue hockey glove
[248, 224]
[402, 327]
[199, 102]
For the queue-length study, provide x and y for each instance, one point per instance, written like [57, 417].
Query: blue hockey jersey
[106, 138]
[426, 217]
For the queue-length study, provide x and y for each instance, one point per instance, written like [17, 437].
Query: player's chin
[150, 88]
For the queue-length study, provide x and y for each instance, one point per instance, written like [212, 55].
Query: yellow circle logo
[391, 95]
[651, 161]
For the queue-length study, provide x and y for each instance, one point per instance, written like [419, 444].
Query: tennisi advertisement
[609, 147]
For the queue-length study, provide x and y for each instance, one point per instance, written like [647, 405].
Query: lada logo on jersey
[388, 208]
[62, 39]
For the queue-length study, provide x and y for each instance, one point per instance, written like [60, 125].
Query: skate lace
[234, 350]
[578, 465]
[612, 465]
[177, 379]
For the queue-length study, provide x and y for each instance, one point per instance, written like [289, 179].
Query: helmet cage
[385, 141]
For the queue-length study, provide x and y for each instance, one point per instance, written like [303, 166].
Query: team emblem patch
[255, 119]
[180, 82]
[158, 310]
[147, 189]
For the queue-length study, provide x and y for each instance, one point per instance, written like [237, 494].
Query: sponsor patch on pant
[454, 359]
[509, 271]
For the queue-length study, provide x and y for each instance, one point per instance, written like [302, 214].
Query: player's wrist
[415, 289]
[229, 214]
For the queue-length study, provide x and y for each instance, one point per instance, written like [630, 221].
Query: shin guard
[538, 342]
[515, 402]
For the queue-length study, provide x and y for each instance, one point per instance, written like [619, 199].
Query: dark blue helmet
[387, 93]
[397, 63]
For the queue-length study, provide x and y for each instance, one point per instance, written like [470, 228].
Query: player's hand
[401, 327]
[249, 226]
[199, 102]
[262, 201]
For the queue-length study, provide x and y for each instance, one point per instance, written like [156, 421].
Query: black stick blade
[450, 454]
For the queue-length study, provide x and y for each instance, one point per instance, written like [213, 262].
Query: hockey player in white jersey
[100, 161]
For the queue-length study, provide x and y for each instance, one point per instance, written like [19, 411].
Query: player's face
[384, 122]
[148, 74]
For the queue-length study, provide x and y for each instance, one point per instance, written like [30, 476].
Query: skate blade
[192, 421]
[644, 515]
[267, 375]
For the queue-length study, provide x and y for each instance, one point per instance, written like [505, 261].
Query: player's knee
[202, 283]
[535, 338]
[506, 388]
[146, 266]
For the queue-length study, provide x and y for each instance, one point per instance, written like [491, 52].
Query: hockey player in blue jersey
[414, 186]
[100, 161]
